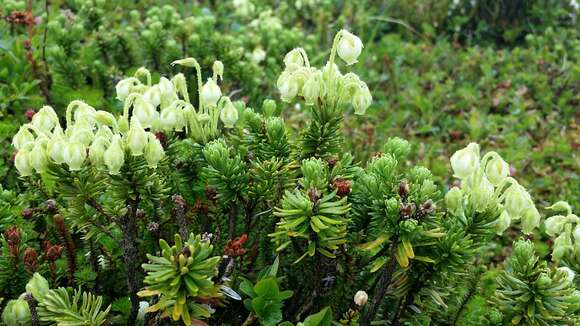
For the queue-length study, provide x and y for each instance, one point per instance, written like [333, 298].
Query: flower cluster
[326, 86]
[486, 182]
[103, 140]
[565, 227]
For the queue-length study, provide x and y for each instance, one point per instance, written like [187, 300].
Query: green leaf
[322, 318]
[267, 288]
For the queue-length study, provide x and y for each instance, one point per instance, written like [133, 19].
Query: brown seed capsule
[313, 195]
[403, 189]
[406, 210]
[342, 187]
[30, 260]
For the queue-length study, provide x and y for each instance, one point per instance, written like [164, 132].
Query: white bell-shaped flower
[349, 48]
[136, 138]
[22, 137]
[115, 155]
[74, 154]
[145, 112]
[362, 99]
[465, 161]
[229, 114]
[22, 162]
[497, 170]
[210, 93]
[45, 119]
[153, 151]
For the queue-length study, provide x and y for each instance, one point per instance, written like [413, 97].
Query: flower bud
[218, 69]
[561, 206]
[38, 287]
[294, 58]
[38, 156]
[115, 155]
[169, 118]
[517, 200]
[16, 313]
[145, 112]
[211, 93]
[530, 220]
[123, 88]
[576, 234]
[82, 131]
[562, 246]
[153, 95]
[74, 155]
[454, 200]
[22, 162]
[481, 192]
[105, 118]
[465, 161]
[288, 87]
[153, 151]
[167, 91]
[361, 99]
[229, 114]
[312, 88]
[503, 222]
[97, 151]
[361, 298]
[349, 47]
[22, 137]
[56, 145]
[45, 119]
[136, 138]
[554, 225]
[85, 115]
[497, 170]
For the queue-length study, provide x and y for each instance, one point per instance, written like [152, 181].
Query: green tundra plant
[183, 158]
[531, 293]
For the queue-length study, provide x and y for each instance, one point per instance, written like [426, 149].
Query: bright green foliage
[266, 299]
[530, 293]
[64, 306]
[313, 216]
[181, 275]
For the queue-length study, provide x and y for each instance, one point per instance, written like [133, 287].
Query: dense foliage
[237, 163]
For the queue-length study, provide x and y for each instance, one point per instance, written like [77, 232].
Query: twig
[128, 224]
[250, 320]
[381, 286]
[32, 307]
[69, 246]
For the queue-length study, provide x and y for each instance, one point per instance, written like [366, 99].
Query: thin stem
[250, 320]
[34, 320]
[381, 286]
[128, 225]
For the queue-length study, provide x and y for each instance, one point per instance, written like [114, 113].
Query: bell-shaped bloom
[45, 119]
[22, 162]
[465, 161]
[530, 219]
[218, 69]
[497, 170]
[210, 93]
[124, 87]
[153, 151]
[349, 48]
[97, 151]
[145, 112]
[153, 95]
[562, 246]
[570, 275]
[481, 192]
[313, 88]
[56, 145]
[503, 222]
[295, 58]
[39, 156]
[229, 114]
[362, 99]
[517, 200]
[555, 225]
[136, 138]
[115, 155]
[82, 131]
[22, 137]
[74, 154]
[105, 118]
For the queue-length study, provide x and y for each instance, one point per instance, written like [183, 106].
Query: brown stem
[69, 246]
[179, 210]
[233, 216]
[250, 320]
[128, 224]
[32, 307]
[381, 286]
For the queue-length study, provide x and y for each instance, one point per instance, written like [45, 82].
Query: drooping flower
[349, 48]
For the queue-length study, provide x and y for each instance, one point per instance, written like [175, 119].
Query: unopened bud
[361, 298]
